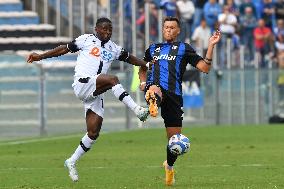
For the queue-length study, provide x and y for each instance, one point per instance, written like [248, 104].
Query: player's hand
[149, 64]
[142, 86]
[33, 57]
[215, 38]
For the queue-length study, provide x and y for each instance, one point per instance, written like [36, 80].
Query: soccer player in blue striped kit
[162, 85]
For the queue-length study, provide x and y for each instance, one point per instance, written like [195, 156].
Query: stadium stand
[11, 5]
[30, 43]
[21, 34]
[30, 30]
[21, 30]
[243, 86]
[21, 17]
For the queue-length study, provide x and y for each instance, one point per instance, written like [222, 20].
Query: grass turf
[230, 157]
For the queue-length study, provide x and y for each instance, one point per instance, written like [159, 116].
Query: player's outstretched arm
[205, 64]
[58, 51]
[138, 62]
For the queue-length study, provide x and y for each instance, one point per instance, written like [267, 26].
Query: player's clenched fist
[33, 57]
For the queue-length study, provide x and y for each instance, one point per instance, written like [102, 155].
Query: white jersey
[94, 57]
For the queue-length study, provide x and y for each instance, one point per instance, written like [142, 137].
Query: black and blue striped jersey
[171, 60]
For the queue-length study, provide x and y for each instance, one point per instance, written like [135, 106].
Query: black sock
[171, 158]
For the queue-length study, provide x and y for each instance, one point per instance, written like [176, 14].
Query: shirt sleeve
[78, 43]
[191, 56]
[121, 53]
[124, 55]
[147, 56]
[118, 50]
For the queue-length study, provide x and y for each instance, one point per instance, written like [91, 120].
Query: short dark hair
[172, 18]
[102, 20]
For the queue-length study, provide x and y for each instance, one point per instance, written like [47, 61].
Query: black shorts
[171, 108]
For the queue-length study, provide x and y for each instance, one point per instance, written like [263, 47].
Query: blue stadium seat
[11, 58]
[21, 30]
[10, 6]
[24, 17]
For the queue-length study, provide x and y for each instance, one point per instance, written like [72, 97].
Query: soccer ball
[179, 144]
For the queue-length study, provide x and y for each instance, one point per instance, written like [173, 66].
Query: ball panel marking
[179, 144]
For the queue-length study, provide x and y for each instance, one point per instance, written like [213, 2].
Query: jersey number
[102, 102]
[95, 52]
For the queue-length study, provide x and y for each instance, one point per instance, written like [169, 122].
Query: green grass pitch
[221, 157]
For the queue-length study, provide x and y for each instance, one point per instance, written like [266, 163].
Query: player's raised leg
[94, 123]
[105, 82]
[153, 97]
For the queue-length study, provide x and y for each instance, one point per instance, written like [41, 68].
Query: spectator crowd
[256, 25]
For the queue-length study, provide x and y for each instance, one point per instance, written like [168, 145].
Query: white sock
[123, 96]
[85, 145]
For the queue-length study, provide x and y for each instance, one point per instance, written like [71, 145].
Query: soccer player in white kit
[97, 52]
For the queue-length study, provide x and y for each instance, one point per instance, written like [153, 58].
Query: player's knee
[113, 80]
[93, 134]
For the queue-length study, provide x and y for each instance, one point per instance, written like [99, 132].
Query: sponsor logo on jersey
[164, 57]
[95, 52]
[158, 49]
[174, 47]
[105, 55]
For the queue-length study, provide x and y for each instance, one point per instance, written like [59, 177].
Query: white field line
[39, 140]
[54, 105]
[4, 143]
[135, 167]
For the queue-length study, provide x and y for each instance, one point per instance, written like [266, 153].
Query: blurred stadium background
[38, 99]
[41, 121]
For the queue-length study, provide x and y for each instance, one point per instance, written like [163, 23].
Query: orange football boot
[170, 174]
[151, 99]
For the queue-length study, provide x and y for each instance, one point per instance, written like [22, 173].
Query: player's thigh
[96, 105]
[171, 111]
[105, 82]
[172, 131]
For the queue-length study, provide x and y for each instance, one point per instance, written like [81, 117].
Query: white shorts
[84, 90]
